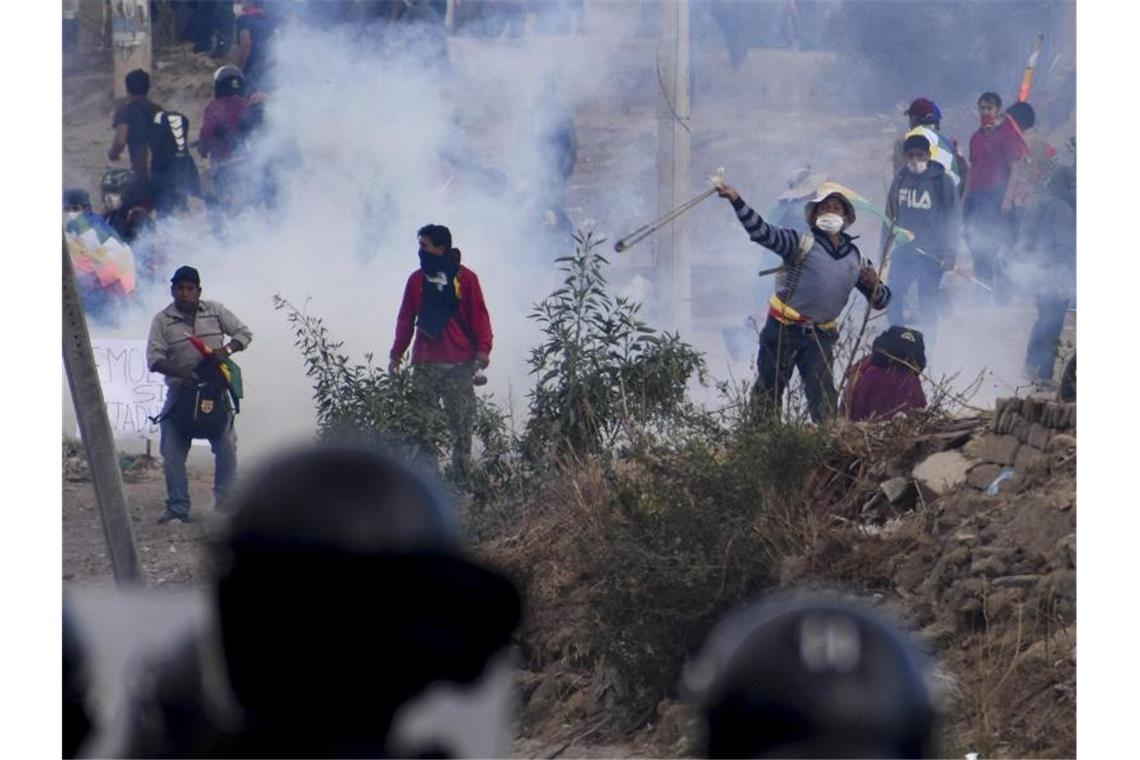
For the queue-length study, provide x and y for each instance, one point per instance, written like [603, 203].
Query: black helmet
[343, 591]
[811, 678]
[229, 80]
[116, 185]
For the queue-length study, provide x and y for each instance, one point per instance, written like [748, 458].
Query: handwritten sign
[131, 392]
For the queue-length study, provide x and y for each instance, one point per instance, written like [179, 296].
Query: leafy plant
[599, 366]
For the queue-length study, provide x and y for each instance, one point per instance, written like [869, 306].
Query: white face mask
[829, 223]
[917, 167]
[73, 215]
[112, 200]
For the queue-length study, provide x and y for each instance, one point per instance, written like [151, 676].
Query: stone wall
[1025, 435]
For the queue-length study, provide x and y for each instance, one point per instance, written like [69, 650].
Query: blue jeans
[175, 447]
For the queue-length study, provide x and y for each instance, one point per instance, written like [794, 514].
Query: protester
[812, 677]
[887, 382]
[213, 18]
[1046, 260]
[132, 124]
[925, 119]
[922, 199]
[822, 267]
[994, 150]
[255, 29]
[122, 207]
[173, 173]
[171, 352]
[221, 130]
[1034, 171]
[104, 265]
[443, 305]
[342, 601]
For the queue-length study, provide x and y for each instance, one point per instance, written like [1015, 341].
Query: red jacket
[221, 126]
[879, 392]
[455, 347]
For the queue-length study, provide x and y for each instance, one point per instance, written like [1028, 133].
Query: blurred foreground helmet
[811, 678]
[344, 593]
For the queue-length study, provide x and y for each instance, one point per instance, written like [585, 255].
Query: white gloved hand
[716, 179]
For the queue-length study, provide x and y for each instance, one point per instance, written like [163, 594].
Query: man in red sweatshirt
[443, 306]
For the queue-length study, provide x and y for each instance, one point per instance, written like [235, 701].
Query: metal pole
[95, 429]
[130, 40]
[673, 261]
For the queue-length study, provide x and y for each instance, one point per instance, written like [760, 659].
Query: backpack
[202, 410]
[900, 346]
[170, 160]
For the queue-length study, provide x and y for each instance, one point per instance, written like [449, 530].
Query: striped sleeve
[781, 241]
[878, 295]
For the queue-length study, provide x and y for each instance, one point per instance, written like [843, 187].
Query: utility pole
[674, 243]
[130, 40]
[95, 429]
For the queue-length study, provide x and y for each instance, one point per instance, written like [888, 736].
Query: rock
[1039, 436]
[1061, 442]
[975, 447]
[896, 489]
[964, 537]
[942, 472]
[1061, 646]
[1016, 581]
[1029, 458]
[1021, 429]
[1062, 584]
[982, 475]
[990, 567]
[1000, 449]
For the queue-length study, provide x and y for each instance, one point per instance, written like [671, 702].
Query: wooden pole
[674, 244]
[130, 40]
[95, 429]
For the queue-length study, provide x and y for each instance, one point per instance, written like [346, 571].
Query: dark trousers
[1043, 339]
[212, 18]
[451, 385]
[787, 347]
[909, 268]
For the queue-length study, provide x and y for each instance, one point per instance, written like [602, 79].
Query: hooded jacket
[926, 204]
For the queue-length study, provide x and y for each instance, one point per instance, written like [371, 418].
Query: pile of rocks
[1025, 437]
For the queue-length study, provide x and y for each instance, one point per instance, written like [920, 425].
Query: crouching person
[344, 620]
[821, 267]
[888, 381]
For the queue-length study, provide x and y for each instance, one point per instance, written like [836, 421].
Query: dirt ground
[171, 555]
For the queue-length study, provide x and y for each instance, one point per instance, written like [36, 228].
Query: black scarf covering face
[440, 292]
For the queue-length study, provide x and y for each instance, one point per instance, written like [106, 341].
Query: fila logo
[908, 197]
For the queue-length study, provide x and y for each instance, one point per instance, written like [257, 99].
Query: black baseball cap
[186, 273]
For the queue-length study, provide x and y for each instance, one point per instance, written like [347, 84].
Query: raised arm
[781, 241]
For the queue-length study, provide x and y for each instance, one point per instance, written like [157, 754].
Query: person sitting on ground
[888, 381]
[812, 677]
[822, 268]
[346, 620]
[123, 208]
[132, 124]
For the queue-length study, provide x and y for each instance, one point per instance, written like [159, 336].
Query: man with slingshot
[821, 266]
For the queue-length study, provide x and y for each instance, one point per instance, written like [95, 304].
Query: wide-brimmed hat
[822, 194]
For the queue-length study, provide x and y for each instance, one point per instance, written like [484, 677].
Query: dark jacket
[1046, 252]
[926, 204]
